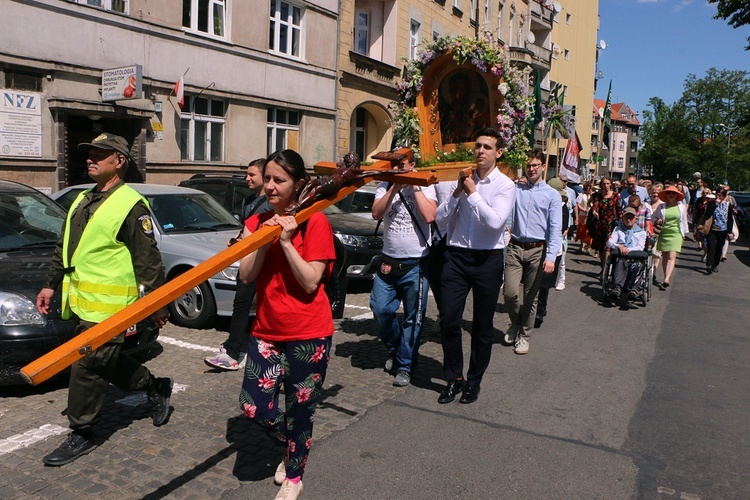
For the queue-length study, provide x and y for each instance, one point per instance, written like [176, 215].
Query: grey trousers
[523, 275]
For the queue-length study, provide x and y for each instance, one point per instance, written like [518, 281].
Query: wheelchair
[640, 266]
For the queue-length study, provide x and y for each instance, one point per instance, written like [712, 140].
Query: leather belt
[527, 245]
[471, 251]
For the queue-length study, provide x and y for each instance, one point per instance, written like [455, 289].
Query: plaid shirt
[644, 216]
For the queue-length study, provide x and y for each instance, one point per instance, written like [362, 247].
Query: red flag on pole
[179, 91]
[572, 159]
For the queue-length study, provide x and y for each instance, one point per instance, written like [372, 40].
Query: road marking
[187, 345]
[362, 316]
[30, 437]
[351, 306]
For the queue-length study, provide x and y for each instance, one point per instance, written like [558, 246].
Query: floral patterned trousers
[301, 367]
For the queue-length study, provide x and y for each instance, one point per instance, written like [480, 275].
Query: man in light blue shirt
[632, 187]
[536, 236]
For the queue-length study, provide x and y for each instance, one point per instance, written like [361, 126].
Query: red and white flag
[572, 159]
[179, 91]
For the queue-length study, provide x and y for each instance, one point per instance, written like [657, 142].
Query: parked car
[361, 237]
[228, 190]
[30, 225]
[189, 227]
[360, 201]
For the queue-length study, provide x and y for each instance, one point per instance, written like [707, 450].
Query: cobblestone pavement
[208, 449]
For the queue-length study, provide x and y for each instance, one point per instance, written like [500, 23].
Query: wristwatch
[416, 188]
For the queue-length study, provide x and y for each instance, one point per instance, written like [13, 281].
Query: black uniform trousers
[482, 272]
[91, 375]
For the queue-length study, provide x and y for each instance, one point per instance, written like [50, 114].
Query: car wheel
[196, 308]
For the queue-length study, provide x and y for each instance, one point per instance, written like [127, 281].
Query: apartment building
[574, 53]
[377, 36]
[258, 76]
[621, 158]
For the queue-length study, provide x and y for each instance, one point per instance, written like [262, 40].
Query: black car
[30, 226]
[350, 218]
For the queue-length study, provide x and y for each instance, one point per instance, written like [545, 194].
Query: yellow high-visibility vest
[103, 280]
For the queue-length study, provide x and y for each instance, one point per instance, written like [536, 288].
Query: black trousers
[716, 241]
[239, 326]
[482, 273]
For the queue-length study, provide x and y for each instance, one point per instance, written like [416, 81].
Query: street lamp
[729, 143]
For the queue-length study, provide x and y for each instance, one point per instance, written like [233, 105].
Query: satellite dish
[530, 37]
[601, 112]
[556, 7]
[602, 44]
[548, 3]
[556, 49]
[599, 75]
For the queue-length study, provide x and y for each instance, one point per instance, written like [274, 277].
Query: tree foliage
[736, 12]
[692, 135]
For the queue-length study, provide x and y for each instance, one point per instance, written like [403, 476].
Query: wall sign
[122, 83]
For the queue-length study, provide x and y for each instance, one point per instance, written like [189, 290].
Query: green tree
[692, 134]
[737, 12]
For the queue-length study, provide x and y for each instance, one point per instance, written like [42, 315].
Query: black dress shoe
[471, 394]
[538, 320]
[74, 446]
[448, 394]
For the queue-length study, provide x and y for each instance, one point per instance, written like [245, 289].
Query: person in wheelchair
[627, 244]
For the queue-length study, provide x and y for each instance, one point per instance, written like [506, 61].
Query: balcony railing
[541, 13]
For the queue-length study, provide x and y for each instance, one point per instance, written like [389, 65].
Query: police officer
[107, 252]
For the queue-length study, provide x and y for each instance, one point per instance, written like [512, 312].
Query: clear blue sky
[652, 45]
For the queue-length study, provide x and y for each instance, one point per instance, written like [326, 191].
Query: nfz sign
[20, 123]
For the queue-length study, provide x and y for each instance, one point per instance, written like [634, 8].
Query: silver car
[189, 227]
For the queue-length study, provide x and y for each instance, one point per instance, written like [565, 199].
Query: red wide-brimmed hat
[671, 189]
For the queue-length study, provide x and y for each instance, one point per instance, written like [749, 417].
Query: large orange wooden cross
[68, 353]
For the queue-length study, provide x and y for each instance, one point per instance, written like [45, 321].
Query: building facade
[574, 52]
[258, 76]
[621, 157]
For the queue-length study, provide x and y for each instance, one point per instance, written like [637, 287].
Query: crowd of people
[481, 233]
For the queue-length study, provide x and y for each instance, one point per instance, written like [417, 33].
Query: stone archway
[370, 129]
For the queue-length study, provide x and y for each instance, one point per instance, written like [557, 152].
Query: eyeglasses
[534, 165]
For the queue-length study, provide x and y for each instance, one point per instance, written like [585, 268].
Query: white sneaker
[289, 491]
[560, 286]
[280, 475]
[522, 346]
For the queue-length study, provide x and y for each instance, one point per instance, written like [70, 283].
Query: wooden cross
[68, 353]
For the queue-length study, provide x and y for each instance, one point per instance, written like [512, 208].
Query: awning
[136, 108]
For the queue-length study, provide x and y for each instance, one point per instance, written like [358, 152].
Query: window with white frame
[285, 35]
[457, 4]
[282, 130]
[206, 16]
[113, 5]
[414, 31]
[622, 145]
[486, 11]
[473, 5]
[512, 26]
[567, 54]
[362, 32]
[620, 162]
[202, 129]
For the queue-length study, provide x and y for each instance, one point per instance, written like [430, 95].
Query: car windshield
[28, 219]
[190, 212]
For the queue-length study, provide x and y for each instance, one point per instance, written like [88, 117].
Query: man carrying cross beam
[475, 219]
[107, 252]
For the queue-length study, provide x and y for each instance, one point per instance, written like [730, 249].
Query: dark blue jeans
[387, 294]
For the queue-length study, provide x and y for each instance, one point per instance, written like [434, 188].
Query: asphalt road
[609, 403]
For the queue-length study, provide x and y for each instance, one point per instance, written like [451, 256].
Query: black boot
[159, 396]
[75, 445]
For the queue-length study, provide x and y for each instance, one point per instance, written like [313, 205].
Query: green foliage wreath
[511, 117]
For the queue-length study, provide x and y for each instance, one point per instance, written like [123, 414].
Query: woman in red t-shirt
[291, 335]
